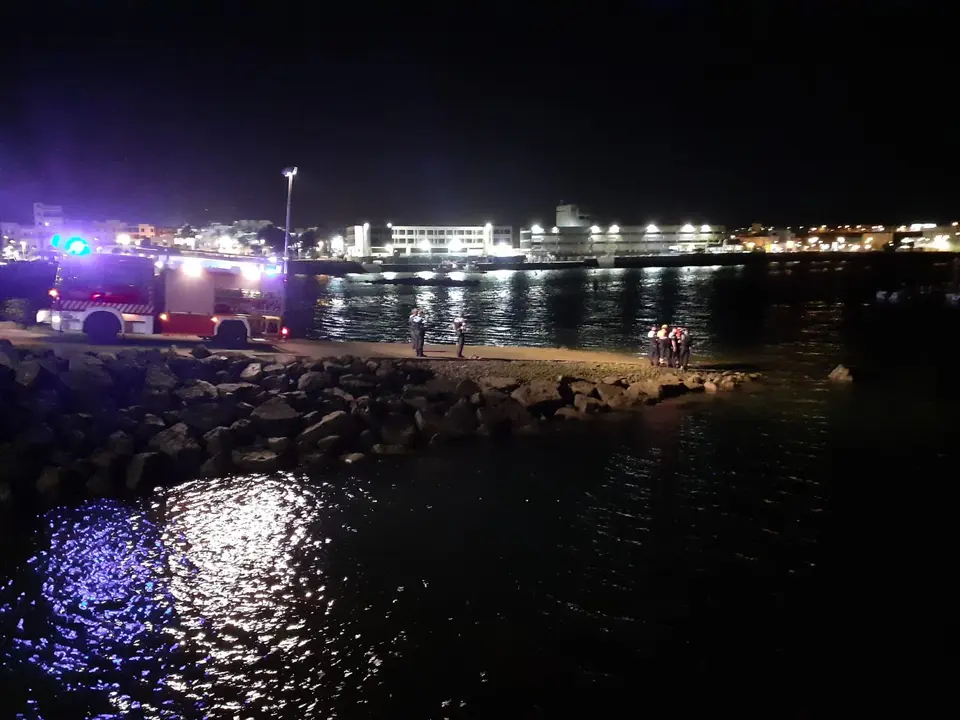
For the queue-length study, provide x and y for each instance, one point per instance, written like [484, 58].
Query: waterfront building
[426, 240]
[577, 235]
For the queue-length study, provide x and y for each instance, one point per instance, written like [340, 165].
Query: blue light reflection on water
[89, 620]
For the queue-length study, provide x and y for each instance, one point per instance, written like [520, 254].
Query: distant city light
[488, 226]
[651, 228]
[77, 246]
[251, 272]
[614, 229]
[555, 230]
[366, 226]
[425, 245]
[596, 230]
[705, 228]
[455, 245]
[123, 238]
[688, 228]
[390, 225]
[389, 248]
[536, 230]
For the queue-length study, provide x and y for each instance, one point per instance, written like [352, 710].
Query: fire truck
[225, 299]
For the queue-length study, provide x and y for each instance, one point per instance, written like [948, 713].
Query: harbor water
[727, 551]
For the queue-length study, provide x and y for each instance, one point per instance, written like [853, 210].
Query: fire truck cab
[228, 300]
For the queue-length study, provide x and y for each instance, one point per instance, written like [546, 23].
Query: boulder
[121, 443]
[352, 458]
[466, 388]
[9, 358]
[149, 426]
[540, 396]
[610, 394]
[429, 423]
[197, 391]
[156, 399]
[357, 384]
[503, 384]
[492, 397]
[710, 386]
[251, 373]
[147, 470]
[279, 383]
[335, 423]
[243, 432]
[728, 383]
[515, 413]
[329, 445]
[50, 481]
[279, 445]
[840, 374]
[33, 374]
[275, 418]
[398, 430]
[313, 382]
[582, 387]
[569, 413]
[219, 440]
[612, 380]
[586, 404]
[217, 465]
[206, 416]
[101, 483]
[160, 377]
[200, 352]
[177, 443]
[256, 460]
[381, 449]
[88, 378]
[275, 369]
[460, 420]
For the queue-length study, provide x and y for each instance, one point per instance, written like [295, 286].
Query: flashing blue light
[55, 241]
[78, 246]
[273, 270]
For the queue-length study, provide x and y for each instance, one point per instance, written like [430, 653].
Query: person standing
[414, 324]
[663, 345]
[422, 332]
[653, 351]
[685, 343]
[675, 347]
[460, 328]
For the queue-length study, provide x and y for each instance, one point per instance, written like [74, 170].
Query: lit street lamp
[288, 173]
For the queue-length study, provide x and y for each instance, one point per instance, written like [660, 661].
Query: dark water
[768, 549]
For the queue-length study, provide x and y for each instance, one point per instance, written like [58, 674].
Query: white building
[426, 240]
[48, 216]
[576, 235]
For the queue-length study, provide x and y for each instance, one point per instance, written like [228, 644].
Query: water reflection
[94, 633]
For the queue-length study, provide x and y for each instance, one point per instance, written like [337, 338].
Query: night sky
[777, 112]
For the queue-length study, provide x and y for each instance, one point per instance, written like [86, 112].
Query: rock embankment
[100, 423]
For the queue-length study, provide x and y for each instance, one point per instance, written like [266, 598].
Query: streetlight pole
[288, 173]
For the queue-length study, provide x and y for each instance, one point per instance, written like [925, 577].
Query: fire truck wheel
[102, 328]
[232, 334]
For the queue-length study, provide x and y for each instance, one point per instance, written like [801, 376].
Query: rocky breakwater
[108, 423]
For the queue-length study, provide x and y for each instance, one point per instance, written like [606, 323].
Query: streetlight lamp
[288, 173]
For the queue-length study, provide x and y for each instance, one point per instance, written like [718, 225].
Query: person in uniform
[414, 329]
[460, 328]
[422, 332]
[684, 344]
[663, 345]
[653, 351]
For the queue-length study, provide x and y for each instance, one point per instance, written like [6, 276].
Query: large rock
[710, 386]
[466, 388]
[840, 374]
[541, 396]
[313, 382]
[503, 384]
[336, 423]
[460, 420]
[149, 426]
[219, 440]
[398, 430]
[206, 416]
[251, 373]
[381, 449]
[609, 394]
[569, 413]
[352, 458]
[256, 460]
[200, 352]
[275, 418]
[587, 404]
[429, 423]
[9, 358]
[357, 384]
[33, 374]
[243, 432]
[147, 470]
[197, 391]
[279, 383]
[87, 377]
[177, 443]
[504, 416]
[582, 387]
[243, 391]
[160, 377]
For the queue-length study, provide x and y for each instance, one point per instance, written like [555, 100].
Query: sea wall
[109, 423]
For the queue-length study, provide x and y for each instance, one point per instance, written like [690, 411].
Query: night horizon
[171, 120]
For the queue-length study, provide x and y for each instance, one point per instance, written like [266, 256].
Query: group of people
[669, 348]
[418, 332]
